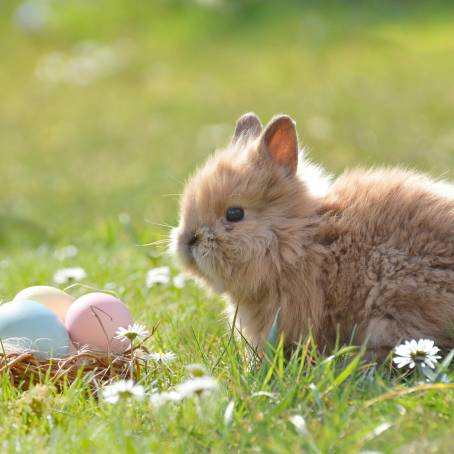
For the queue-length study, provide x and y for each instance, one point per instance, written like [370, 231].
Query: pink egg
[86, 315]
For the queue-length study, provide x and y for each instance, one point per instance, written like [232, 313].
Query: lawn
[106, 106]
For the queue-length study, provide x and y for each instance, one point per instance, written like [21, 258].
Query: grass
[367, 83]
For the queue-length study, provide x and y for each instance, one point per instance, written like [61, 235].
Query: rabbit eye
[234, 214]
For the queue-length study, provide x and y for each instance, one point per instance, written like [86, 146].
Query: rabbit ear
[280, 141]
[247, 125]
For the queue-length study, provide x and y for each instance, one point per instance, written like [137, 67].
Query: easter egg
[28, 325]
[55, 299]
[93, 320]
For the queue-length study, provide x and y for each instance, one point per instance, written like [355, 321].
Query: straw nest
[25, 369]
[92, 367]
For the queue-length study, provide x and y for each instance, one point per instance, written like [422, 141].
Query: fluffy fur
[368, 257]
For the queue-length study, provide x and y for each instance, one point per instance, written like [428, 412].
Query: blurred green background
[106, 106]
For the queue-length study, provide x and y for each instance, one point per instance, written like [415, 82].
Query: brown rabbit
[369, 258]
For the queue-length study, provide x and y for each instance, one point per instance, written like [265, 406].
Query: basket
[93, 367]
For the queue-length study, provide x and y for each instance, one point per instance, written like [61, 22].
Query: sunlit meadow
[106, 106]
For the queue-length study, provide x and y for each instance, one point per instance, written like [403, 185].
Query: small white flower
[123, 389]
[124, 218]
[65, 275]
[381, 428]
[228, 414]
[299, 423]
[160, 275]
[209, 3]
[158, 399]
[414, 352]
[32, 16]
[131, 333]
[84, 64]
[197, 370]
[193, 387]
[66, 252]
[179, 280]
[196, 386]
[161, 357]
[4, 263]
[271, 396]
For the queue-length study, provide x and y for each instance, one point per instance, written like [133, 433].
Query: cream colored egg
[55, 299]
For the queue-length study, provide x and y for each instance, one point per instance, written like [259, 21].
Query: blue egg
[31, 326]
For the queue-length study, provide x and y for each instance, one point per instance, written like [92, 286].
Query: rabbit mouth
[191, 250]
[207, 268]
[198, 252]
[203, 260]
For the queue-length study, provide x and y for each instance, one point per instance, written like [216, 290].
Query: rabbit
[366, 258]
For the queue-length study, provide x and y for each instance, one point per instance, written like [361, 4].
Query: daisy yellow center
[124, 393]
[419, 356]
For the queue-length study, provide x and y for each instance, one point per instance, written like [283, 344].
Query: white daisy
[179, 280]
[65, 275]
[123, 389]
[160, 276]
[414, 352]
[158, 399]
[228, 413]
[299, 424]
[87, 62]
[131, 333]
[32, 16]
[271, 396]
[66, 252]
[124, 218]
[197, 370]
[196, 386]
[4, 263]
[161, 357]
